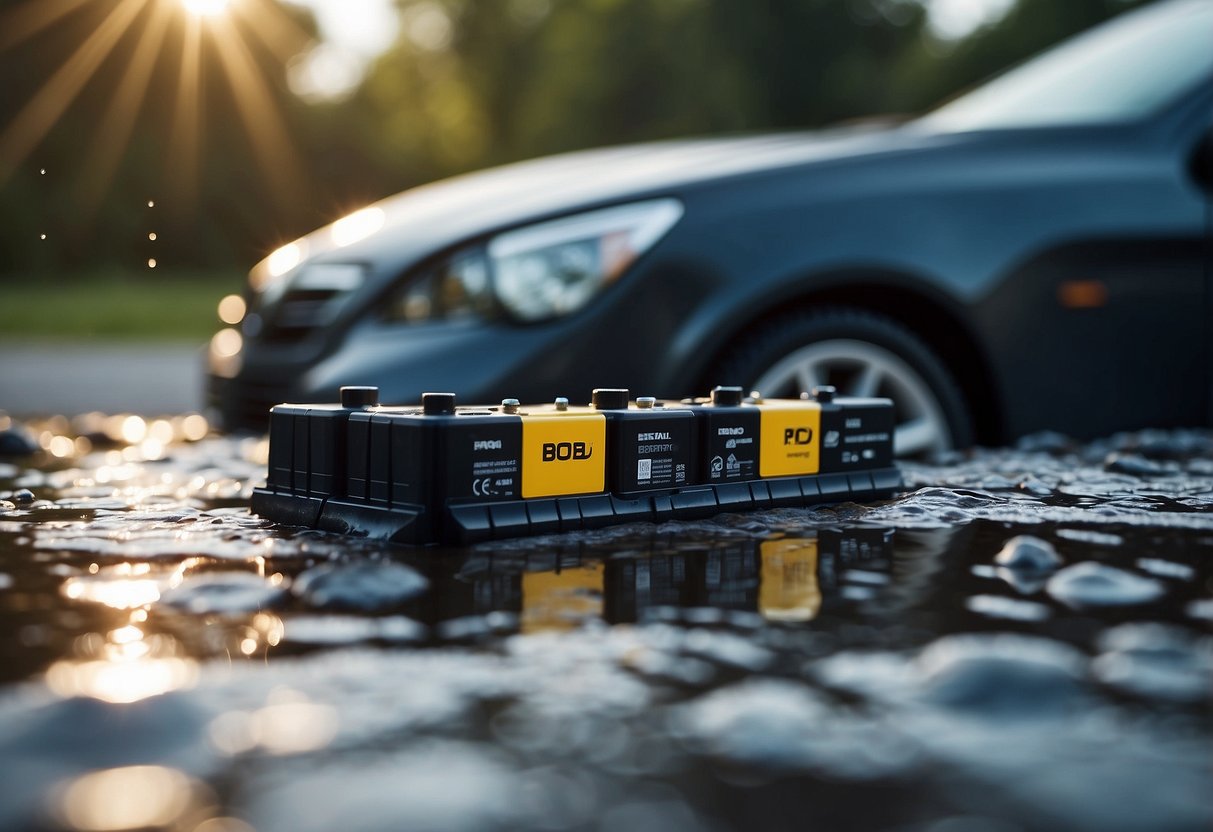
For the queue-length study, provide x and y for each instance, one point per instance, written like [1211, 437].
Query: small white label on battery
[644, 469]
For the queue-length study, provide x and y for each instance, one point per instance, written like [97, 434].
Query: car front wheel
[862, 354]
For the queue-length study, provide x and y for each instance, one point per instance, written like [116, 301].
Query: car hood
[431, 217]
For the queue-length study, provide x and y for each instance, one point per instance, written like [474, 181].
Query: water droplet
[1001, 675]
[1013, 609]
[151, 235]
[366, 585]
[1158, 661]
[151, 262]
[1090, 584]
[1028, 553]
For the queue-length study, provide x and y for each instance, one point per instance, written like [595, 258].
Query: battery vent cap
[727, 396]
[437, 404]
[611, 398]
[359, 396]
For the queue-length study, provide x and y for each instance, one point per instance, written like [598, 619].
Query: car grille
[245, 405]
[311, 301]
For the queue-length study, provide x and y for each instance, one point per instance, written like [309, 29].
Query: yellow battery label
[789, 590]
[563, 452]
[790, 445]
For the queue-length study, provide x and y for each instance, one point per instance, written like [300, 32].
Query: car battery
[440, 457]
[653, 447]
[821, 437]
[446, 473]
[728, 436]
[855, 433]
[747, 438]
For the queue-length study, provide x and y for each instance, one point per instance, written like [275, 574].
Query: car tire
[862, 354]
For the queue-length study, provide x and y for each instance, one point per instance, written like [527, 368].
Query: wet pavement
[1020, 641]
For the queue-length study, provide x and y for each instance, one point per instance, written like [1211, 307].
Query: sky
[354, 32]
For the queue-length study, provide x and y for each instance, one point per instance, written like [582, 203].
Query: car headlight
[555, 268]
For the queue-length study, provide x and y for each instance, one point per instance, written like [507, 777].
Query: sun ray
[184, 149]
[262, 121]
[280, 33]
[48, 104]
[119, 122]
[30, 18]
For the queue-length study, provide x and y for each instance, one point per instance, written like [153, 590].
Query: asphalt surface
[73, 378]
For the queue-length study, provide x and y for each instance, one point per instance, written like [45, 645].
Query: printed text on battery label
[789, 437]
[566, 450]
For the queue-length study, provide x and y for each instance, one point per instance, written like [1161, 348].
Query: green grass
[111, 306]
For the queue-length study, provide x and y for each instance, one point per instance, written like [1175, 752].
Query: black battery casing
[308, 449]
[856, 434]
[652, 448]
[728, 441]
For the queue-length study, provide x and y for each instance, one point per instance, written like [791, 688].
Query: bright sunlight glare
[205, 8]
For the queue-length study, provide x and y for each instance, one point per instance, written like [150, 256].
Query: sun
[205, 8]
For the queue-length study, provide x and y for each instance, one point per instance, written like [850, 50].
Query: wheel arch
[932, 317]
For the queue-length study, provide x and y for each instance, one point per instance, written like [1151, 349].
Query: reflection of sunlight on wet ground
[129, 798]
[124, 666]
[122, 586]
[288, 724]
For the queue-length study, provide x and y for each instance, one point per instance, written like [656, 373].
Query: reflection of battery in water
[561, 600]
[789, 590]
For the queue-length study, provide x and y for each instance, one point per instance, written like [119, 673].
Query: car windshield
[1120, 72]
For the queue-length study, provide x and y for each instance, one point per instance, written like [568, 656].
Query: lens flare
[205, 8]
[283, 259]
[231, 309]
[226, 343]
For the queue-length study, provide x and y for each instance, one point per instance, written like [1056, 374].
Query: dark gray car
[1034, 254]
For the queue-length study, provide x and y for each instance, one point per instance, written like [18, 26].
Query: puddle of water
[1020, 641]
